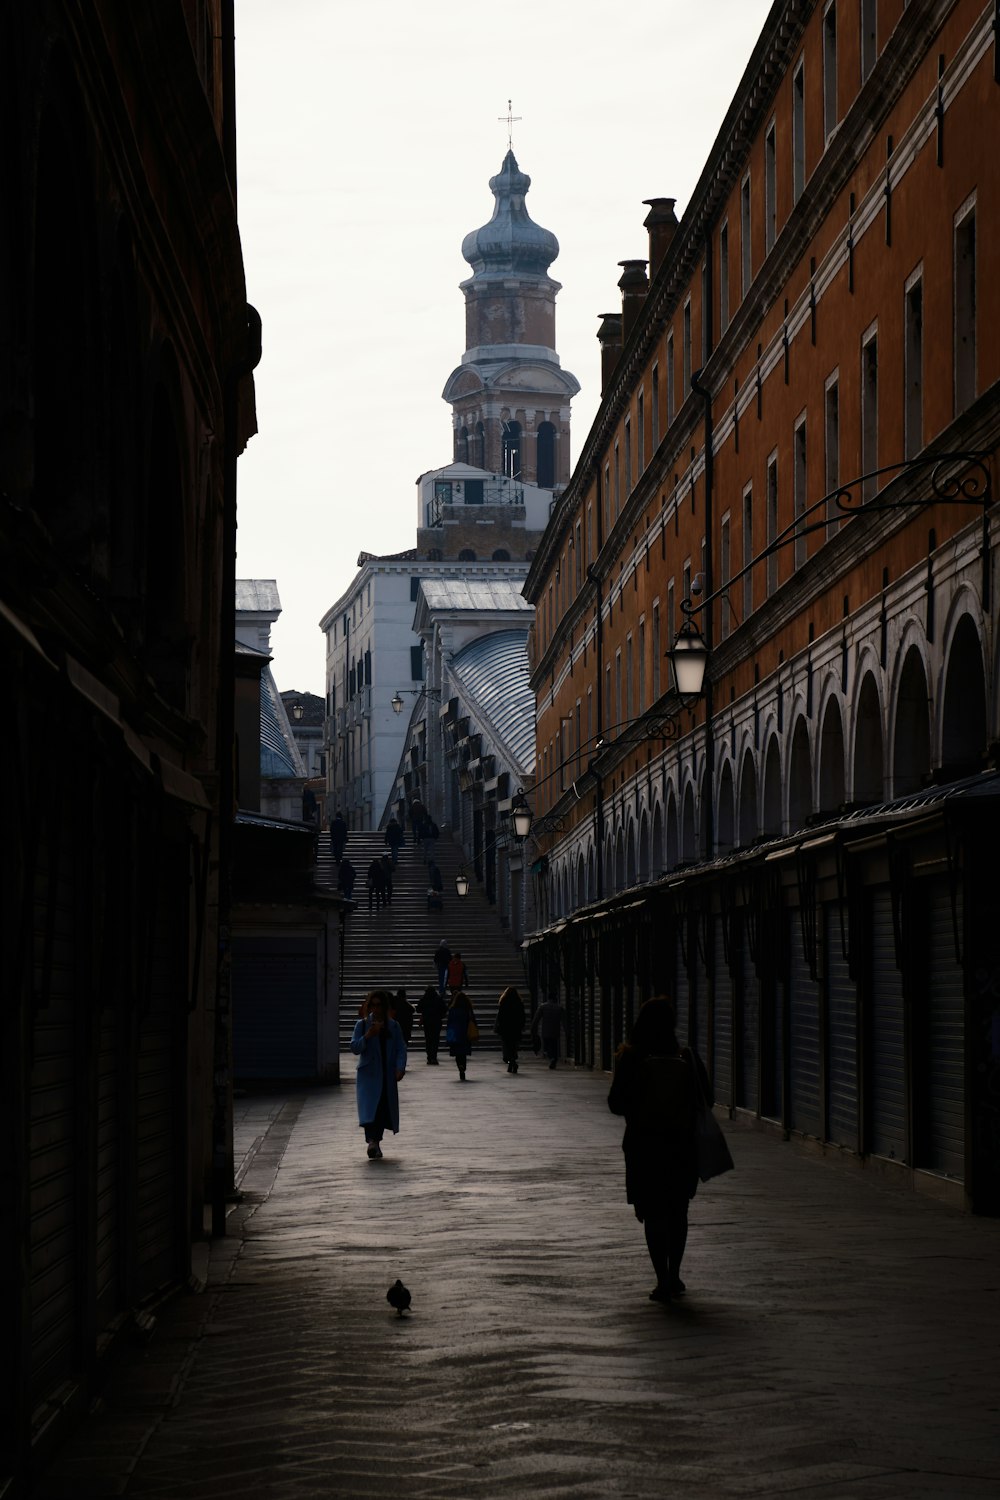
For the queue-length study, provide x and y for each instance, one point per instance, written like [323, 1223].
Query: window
[607, 499]
[590, 534]
[545, 461]
[629, 679]
[798, 131]
[830, 69]
[799, 486]
[725, 573]
[654, 415]
[869, 411]
[578, 556]
[416, 663]
[686, 580]
[706, 321]
[686, 347]
[640, 421]
[670, 377]
[965, 309]
[831, 424]
[770, 187]
[607, 698]
[618, 482]
[745, 260]
[628, 456]
[772, 522]
[511, 446]
[641, 664]
[657, 651]
[466, 555]
[747, 551]
[671, 620]
[414, 589]
[724, 277]
[869, 38]
[913, 366]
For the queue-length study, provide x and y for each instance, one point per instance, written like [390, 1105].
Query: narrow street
[838, 1339]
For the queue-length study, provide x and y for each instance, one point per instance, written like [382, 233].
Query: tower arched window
[466, 555]
[545, 464]
[462, 446]
[479, 447]
[512, 449]
[501, 555]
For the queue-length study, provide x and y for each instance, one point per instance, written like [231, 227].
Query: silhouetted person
[431, 1008]
[509, 1025]
[442, 958]
[376, 884]
[401, 1009]
[346, 876]
[546, 1023]
[394, 837]
[338, 836]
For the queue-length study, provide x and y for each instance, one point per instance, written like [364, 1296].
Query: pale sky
[366, 137]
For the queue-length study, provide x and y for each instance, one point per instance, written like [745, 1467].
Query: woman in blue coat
[380, 1048]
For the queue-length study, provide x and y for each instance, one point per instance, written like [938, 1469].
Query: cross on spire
[511, 120]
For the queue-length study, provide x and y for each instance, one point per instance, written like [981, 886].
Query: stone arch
[868, 774]
[656, 859]
[673, 832]
[545, 451]
[467, 555]
[644, 850]
[800, 781]
[501, 555]
[510, 443]
[963, 729]
[591, 875]
[832, 789]
[725, 822]
[911, 726]
[581, 882]
[749, 820]
[771, 820]
[689, 830]
[631, 860]
[620, 861]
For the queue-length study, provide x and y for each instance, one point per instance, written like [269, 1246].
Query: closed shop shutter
[55, 1076]
[107, 1225]
[274, 1007]
[772, 1048]
[841, 1036]
[722, 1020]
[698, 1015]
[749, 1026]
[160, 1103]
[943, 1127]
[803, 1039]
[682, 996]
[885, 1027]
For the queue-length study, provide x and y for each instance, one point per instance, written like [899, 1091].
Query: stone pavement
[839, 1338]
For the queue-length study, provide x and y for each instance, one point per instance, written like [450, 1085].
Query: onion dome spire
[511, 242]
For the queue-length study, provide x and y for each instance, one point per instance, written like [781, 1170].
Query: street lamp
[462, 883]
[520, 815]
[397, 698]
[689, 657]
[397, 702]
[298, 712]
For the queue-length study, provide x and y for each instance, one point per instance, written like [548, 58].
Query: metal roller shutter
[841, 1036]
[943, 1128]
[107, 1225]
[749, 1026]
[803, 1041]
[274, 1007]
[772, 1049]
[682, 996]
[159, 1108]
[885, 1027]
[722, 1020]
[54, 1228]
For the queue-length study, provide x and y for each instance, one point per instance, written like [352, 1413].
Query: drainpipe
[708, 585]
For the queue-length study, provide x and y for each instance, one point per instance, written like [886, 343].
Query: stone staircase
[393, 948]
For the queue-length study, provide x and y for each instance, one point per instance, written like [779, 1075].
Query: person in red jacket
[458, 974]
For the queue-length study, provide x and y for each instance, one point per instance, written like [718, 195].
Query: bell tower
[510, 399]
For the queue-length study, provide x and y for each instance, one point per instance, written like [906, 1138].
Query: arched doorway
[911, 739]
[799, 778]
[963, 713]
[545, 468]
[689, 837]
[832, 793]
[749, 823]
[726, 821]
[869, 783]
[771, 821]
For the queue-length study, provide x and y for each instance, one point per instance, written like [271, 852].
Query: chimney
[609, 336]
[661, 221]
[634, 285]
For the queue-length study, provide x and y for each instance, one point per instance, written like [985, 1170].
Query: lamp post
[396, 701]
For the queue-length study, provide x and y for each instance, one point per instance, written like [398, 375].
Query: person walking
[402, 1011]
[458, 974]
[655, 1087]
[546, 1023]
[346, 876]
[509, 1025]
[394, 837]
[376, 884]
[380, 1048]
[442, 958]
[338, 836]
[387, 867]
[461, 1018]
[430, 1009]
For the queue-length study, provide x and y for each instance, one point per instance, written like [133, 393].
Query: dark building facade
[126, 345]
[797, 440]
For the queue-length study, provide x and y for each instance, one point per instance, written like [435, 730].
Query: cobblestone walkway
[839, 1338]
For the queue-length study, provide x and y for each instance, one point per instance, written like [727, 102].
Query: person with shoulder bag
[461, 1031]
[662, 1090]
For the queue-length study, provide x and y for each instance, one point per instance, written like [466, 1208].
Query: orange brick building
[797, 435]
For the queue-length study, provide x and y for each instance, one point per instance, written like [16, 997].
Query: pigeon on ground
[399, 1297]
